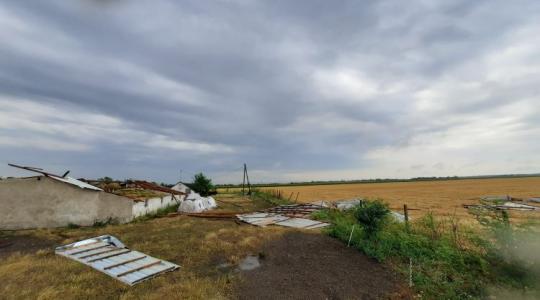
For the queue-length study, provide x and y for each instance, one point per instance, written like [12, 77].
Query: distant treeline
[379, 180]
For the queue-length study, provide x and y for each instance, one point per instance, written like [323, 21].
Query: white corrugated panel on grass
[108, 255]
[302, 223]
[265, 219]
[261, 219]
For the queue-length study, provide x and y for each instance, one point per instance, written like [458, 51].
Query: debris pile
[195, 203]
[505, 202]
[295, 215]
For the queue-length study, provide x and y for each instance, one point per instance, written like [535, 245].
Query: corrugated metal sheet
[75, 182]
[108, 255]
[265, 219]
[535, 199]
[302, 223]
[347, 204]
[261, 219]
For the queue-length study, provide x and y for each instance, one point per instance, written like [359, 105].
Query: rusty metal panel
[108, 255]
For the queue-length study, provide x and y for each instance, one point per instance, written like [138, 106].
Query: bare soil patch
[23, 244]
[302, 265]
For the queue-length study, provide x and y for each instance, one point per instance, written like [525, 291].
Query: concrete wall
[153, 204]
[41, 202]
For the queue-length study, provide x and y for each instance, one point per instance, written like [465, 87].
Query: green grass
[449, 261]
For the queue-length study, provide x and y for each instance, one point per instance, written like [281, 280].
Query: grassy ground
[198, 245]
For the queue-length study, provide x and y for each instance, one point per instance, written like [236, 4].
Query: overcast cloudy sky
[299, 90]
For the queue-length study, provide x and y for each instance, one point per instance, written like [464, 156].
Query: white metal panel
[261, 219]
[108, 255]
[75, 182]
[265, 219]
[302, 223]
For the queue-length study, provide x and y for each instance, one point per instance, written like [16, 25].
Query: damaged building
[50, 200]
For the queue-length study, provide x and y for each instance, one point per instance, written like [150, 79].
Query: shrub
[371, 215]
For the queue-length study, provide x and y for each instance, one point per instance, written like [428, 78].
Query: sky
[297, 90]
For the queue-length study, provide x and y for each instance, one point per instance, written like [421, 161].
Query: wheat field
[444, 198]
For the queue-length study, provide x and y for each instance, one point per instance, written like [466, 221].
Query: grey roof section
[108, 255]
[264, 219]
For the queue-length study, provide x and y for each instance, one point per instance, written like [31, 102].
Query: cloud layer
[299, 90]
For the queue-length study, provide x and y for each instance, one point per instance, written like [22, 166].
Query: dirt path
[314, 266]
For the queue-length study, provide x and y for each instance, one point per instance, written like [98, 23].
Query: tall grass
[448, 261]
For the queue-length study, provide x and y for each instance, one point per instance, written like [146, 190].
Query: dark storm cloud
[299, 90]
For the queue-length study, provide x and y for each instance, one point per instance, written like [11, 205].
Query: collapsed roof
[64, 178]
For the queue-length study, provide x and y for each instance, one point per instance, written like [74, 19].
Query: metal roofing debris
[151, 186]
[496, 198]
[261, 219]
[302, 223]
[285, 215]
[505, 206]
[64, 178]
[398, 217]
[108, 255]
[535, 199]
[295, 210]
[347, 204]
[75, 182]
[518, 206]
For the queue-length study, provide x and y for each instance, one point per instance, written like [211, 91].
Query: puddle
[249, 263]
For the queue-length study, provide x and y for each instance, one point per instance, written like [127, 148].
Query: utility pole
[246, 180]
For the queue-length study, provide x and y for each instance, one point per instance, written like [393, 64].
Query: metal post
[350, 237]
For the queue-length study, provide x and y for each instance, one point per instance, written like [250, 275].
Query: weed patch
[447, 262]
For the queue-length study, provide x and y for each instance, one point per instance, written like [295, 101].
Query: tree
[202, 185]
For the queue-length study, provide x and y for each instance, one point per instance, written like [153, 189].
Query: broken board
[108, 255]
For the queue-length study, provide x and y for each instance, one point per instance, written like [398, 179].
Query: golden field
[443, 198]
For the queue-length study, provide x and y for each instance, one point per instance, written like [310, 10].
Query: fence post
[406, 214]
[410, 272]
[350, 237]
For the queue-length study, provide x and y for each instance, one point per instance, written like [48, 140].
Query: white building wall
[141, 208]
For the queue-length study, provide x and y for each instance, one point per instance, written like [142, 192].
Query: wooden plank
[107, 256]
[124, 262]
[139, 268]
